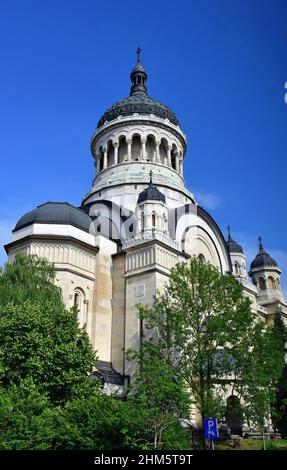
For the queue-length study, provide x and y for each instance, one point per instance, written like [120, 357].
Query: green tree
[26, 418]
[157, 401]
[28, 278]
[280, 405]
[206, 327]
[39, 338]
[92, 423]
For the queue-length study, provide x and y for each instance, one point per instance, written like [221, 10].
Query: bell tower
[265, 274]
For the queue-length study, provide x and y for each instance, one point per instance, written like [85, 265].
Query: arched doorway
[234, 415]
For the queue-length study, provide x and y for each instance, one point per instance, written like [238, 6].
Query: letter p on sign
[210, 428]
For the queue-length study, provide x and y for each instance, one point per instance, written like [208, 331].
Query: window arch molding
[79, 300]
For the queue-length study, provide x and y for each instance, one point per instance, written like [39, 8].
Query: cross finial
[260, 243]
[150, 177]
[229, 233]
[139, 53]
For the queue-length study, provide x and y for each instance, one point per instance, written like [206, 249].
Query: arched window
[153, 220]
[142, 221]
[201, 258]
[164, 223]
[261, 283]
[173, 163]
[80, 304]
[163, 151]
[110, 154]
[101, 158]
[136, 147]
[150, 148]
[271, 283]
[237, 268]
[123, 149]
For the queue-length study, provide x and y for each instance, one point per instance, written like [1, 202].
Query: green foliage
[39, 338]
[93, 423]
[159, 399]
[28, 278]
[204, 325]
[279, 414]
[26, 419]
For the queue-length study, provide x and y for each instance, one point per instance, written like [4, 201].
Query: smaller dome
[151, 193]
[55, 213]
[232, 245]
[262, 258]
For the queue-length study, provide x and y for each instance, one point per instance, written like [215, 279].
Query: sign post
[210, 430]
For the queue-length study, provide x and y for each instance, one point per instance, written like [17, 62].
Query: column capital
[116, 144]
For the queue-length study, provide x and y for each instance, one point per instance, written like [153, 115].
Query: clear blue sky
[220, 65]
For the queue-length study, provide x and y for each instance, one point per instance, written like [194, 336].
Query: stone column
[157, 154]
[143, 149]
[169, 156]
[116, 153]
[105, 150]
[180, 166]
[129, 144]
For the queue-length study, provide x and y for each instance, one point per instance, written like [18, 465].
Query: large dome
[55, 213]
[141, 104]
[138, 101]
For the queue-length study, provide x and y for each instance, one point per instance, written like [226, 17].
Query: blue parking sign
[210, 428]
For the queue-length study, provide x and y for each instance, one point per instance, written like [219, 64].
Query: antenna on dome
[260, 243]
[150, 177]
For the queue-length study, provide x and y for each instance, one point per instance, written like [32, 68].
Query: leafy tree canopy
[39, 338]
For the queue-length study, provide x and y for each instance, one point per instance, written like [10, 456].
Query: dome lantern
[138, 77]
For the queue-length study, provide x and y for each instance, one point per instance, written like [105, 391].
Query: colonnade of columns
[122, 151]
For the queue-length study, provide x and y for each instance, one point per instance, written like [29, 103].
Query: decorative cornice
[55, 238]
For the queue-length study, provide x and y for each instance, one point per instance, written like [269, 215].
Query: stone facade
[137, 221]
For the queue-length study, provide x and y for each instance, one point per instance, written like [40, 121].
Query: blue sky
[220, 65]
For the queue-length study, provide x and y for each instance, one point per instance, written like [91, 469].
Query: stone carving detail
[140, 290]
[150, 256]
[59, 253]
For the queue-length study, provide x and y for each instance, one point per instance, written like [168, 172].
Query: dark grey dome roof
[138, 101]
[141, 104]
[262, 258]
[151, 193]
[56, 213]
[232, 245]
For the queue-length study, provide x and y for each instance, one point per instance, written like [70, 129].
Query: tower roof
[232, 245]
[262, 259]
[138, 101]
[151, 193]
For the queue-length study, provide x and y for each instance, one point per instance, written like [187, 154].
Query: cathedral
[137, 221]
